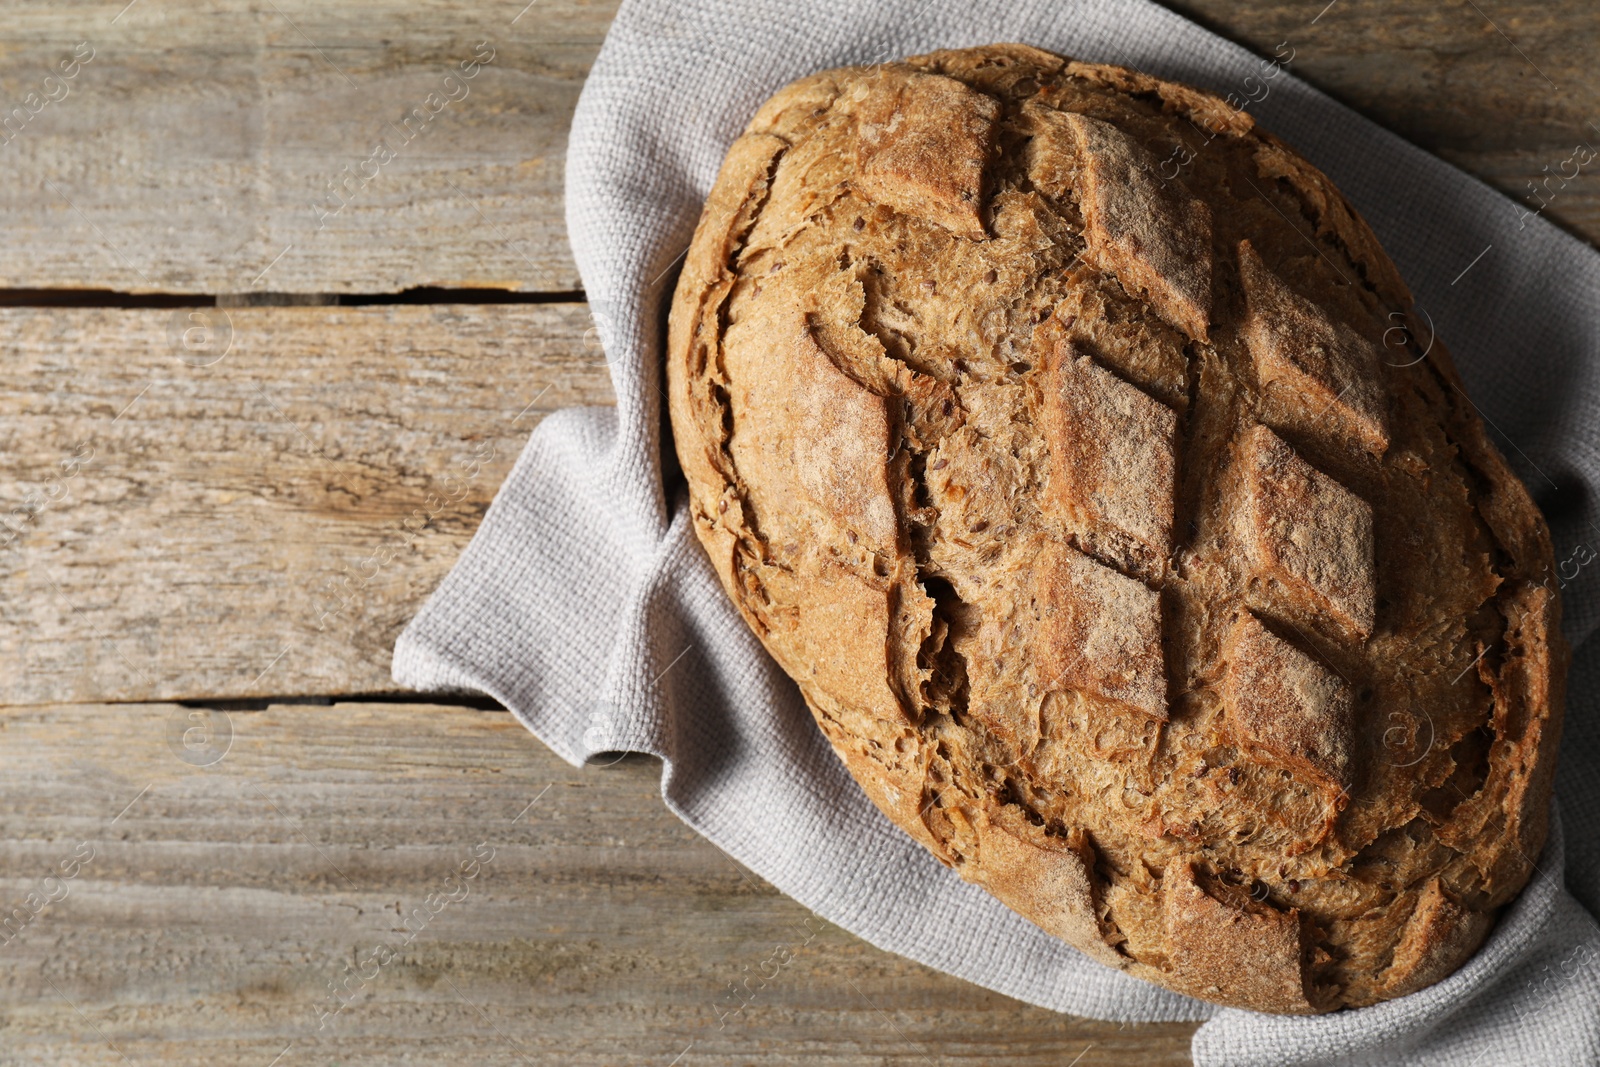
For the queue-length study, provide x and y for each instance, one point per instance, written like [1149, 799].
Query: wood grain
[265, 523]
[216, 899]
[194, 151]
[191, 152]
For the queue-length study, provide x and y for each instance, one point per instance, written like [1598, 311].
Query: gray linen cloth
[586, 606]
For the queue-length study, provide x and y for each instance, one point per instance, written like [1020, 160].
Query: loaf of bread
[1068, 439]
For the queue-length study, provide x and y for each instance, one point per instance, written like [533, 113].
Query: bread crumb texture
[1066, 438]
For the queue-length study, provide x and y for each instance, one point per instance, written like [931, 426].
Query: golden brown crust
[1097, 632]
[1308, 538]
[1285, 707]
[1308, 362]
[1115, 479]
[1439, 934]
[923, 147]
[1047, 879]
[1049, 424]
[1238, 952]
[1150, 234]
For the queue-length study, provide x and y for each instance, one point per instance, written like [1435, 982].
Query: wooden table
[226, 838]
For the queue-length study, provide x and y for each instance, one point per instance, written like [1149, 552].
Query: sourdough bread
[1068, 439]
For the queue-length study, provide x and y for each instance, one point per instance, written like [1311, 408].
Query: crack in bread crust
[1046, 422]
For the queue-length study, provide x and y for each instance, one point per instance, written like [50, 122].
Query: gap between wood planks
[246, 704]
[108, 298]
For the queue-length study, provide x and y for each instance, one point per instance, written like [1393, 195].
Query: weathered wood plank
[263, 524]
[231, 148]
[190, 154]
[201, 908]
